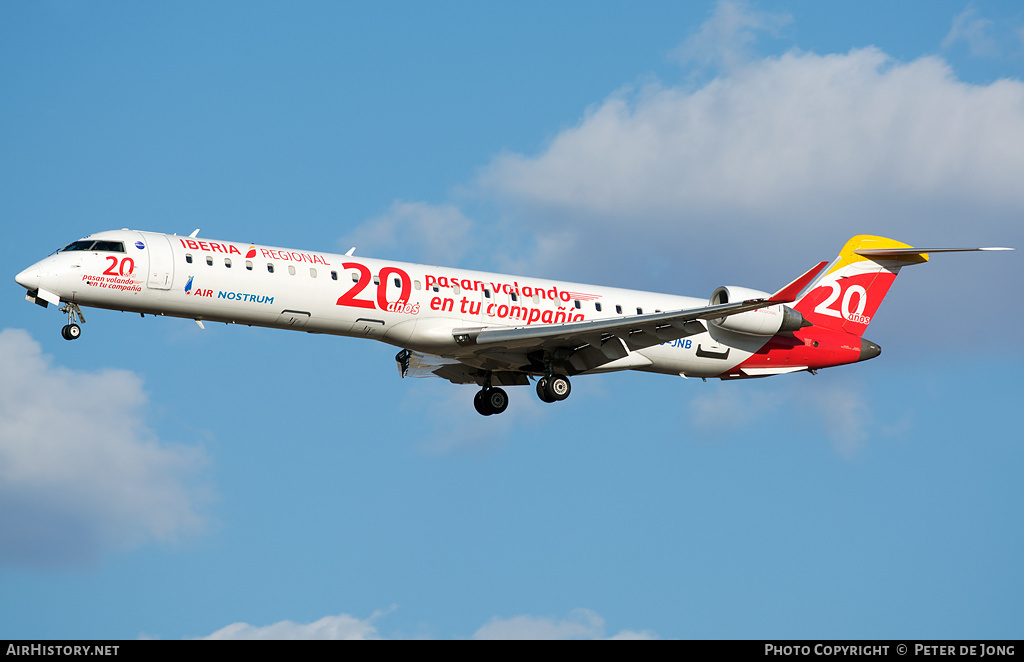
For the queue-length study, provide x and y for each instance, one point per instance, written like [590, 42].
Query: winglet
[789, 292]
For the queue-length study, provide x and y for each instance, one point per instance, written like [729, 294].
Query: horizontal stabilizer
[848, 295]
[897, 252]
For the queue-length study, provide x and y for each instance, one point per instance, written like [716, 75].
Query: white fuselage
[412, 306]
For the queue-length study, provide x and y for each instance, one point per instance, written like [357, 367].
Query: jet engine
[761, 322]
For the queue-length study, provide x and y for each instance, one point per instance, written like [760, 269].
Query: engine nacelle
[761, 322]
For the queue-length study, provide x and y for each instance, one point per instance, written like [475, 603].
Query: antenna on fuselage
[194, 233]
[351, 251]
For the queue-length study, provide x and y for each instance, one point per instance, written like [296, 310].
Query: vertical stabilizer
[849, 293]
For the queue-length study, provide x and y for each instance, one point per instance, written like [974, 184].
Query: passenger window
[398, 281]
[209, 260]
[248, 265]
[487, 293]
[355, 277]
[597, 306]
[312, 272]
[639, 311]
[376, 280]
[577, 303]
[515, 297]
[188, 257]
[270, 267]
[227, 262]
[334, 275]
[456, 289]
[291, 270]
[618, 309]
[418, 285]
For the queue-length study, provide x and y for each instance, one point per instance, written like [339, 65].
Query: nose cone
[29, 278]
[868, 350]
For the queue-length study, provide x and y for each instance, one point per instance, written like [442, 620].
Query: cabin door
[161, 261]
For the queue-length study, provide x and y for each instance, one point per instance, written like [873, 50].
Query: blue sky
[159, 480]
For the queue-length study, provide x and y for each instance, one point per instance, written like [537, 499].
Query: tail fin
[848, 294]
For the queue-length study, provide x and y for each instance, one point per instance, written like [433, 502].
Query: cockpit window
[83, 245]
[92, 245]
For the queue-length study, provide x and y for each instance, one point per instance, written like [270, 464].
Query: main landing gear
[553, 388]
[71, 330]
[491, 400]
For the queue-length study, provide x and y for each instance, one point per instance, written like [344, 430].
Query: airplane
[480, 328]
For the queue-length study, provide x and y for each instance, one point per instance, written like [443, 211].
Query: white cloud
[976, 32]
[787, 137]
[342, 626]
[79, 471]
[578, 624]
[726, 38]
[420, 231]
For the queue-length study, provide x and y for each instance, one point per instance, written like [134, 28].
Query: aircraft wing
[590, 344]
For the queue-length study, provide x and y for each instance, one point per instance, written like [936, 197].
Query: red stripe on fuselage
[812, 347]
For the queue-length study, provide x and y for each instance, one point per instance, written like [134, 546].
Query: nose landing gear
[71, 330]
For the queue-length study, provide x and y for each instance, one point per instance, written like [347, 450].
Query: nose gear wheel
[71, 330]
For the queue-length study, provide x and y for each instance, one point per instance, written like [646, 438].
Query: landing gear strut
[71, 330]
[553, 388]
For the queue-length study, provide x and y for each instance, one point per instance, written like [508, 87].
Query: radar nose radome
[29, 278]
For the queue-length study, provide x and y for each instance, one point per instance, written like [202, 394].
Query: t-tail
[847, 296]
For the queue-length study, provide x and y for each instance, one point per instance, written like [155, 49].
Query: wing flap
[419, 365]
